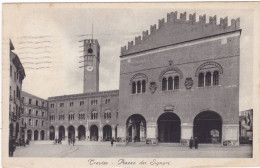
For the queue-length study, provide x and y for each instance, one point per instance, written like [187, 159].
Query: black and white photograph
[130, 84]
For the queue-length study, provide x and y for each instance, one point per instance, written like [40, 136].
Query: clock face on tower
[90, 68]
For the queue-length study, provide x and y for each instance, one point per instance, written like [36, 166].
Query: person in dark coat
[11, 147]
[191, 142]
[112, 141]
[196, 142]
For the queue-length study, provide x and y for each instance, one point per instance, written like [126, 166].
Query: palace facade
[181, 81]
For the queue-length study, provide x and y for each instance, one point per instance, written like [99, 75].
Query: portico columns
[100, 134]
[151, 133]
[186, 133]
[76, 132]
[66, 133]
[113, 132]
[56, 133]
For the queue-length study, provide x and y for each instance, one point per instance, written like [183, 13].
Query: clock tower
[91, 65]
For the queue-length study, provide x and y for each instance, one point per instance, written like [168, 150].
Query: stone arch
[177, 70]
[81, 133]
[169, 127]
[141, 75]
[210, 63]
[94, 132]
[107, 132]
[136, 128]
[61, 132]
[207, 127]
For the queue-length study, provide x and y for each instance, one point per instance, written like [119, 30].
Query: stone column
[121, 133]
[66, 133]
[211, 79]
[87, 134]
[186, 133]
[47, 135]
[76, 133]
[151, 132]
[230, 134]
[100, 134]
[25, 135]
[113, 132]
[56, 133]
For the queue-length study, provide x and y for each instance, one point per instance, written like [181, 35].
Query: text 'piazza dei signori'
[178, 80]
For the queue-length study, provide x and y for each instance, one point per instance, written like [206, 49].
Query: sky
[46, 38]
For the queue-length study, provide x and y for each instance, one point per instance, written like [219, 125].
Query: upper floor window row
[138, 82]
[94, 102]
[52, 105]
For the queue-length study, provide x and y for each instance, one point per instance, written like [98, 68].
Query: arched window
[143, 86]
[94, 115]
[133, 87]
[216, 78]
[170, 83]
[138, 87]
[208, 79]
[201, 80]
[107, 114]
[164, 84]
[138, 83]
[176, 82]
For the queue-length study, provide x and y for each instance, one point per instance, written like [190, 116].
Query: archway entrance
[81, 133]
[93, 133]
[36, 135]
[136, 128]
[52, 133]
[208, 127]
[42, 134]
[11, 130]
[29, 135]
[61, 132]
[71, 132]
[169, 127]
[16, 130]
[107, 133]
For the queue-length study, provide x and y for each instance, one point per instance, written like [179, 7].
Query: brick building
[181, 81]
[34, 117]
[17, 74]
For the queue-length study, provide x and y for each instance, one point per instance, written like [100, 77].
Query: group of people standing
[193, 142]
[71, 140]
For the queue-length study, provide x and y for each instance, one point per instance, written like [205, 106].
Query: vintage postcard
[130, 84]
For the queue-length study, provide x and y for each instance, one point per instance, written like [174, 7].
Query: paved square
[105, 150]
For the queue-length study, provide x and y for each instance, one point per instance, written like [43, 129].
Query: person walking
[11, 147]
[196, 142]
[73, 140]
[191, 142]
[112, 141]
[69, 141]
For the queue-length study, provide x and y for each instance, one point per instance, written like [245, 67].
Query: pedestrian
[11, 147]
[27, 141]
[191, 142]
[69, 140]
[73, 141]
[112, 141]
[196, 142]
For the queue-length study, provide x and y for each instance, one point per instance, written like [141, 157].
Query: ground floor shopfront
[207, 126]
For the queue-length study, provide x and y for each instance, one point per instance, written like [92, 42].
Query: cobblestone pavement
[96, 151]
